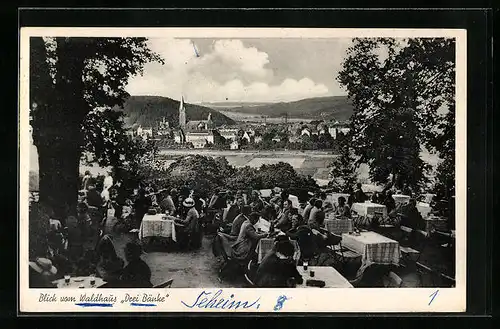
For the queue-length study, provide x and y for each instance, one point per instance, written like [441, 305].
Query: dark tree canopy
[402, 100]
[74, 82]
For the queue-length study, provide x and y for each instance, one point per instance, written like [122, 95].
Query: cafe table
[373, 247]
[332, 278]
[338, 226]
[79, 282]
[435, 223]
[159, 225]
[401, 198]
[368, 209]
[424, 209]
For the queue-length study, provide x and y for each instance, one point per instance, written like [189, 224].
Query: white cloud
[228, 71]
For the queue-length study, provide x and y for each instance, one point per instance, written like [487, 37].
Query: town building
[246, 136]
[145, 133]
[234, 145]
[305, 131]
[338, 127]
[200, 139]
[229, 134]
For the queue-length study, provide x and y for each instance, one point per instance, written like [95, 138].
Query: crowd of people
[234, 212]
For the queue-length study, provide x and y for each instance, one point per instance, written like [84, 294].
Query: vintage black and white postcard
[242, 170]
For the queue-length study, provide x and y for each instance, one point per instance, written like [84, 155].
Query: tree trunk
[57, 129]
[59, 177]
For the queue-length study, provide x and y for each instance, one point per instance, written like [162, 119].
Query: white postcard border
[299, 300]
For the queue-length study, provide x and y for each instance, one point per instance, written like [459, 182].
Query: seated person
[191, 216]
[188, 226]
[41, 273]
[245, 245]
[411, 216]
[308, 208]
[278, 267]
[327, 205]
[239, 220]
[94, 198]
[109, 265]
[389, 201]
[295, 219]
[283, 221]
[343, 210]
[317, 216]
[137, 273]
[306, 240]
[83, 218]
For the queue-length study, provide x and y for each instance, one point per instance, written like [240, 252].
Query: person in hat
[41, 273]
[278, 268]
[189, 224]
[137, 273]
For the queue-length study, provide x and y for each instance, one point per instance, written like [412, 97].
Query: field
[238, 116]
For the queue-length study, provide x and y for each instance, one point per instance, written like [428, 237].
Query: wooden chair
[409, 254]
[166, 284]
[392, 280]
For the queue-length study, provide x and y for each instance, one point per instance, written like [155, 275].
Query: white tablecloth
[332, 278]
[339, 226]
[265, 245]
[76, 282]
[424, 209]
[368, 209]
[437, 223]
[155, 226]
[373, 247]
[401, 198]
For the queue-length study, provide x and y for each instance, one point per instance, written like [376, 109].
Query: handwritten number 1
[433, 295]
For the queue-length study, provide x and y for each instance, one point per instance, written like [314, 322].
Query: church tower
[182, 114]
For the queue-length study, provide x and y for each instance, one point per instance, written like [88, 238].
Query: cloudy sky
[243, 70]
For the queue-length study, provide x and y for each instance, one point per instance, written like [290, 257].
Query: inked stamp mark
[280, 301]
[433, 295]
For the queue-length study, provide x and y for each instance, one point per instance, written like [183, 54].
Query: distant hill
[332, 107]
[149, 110]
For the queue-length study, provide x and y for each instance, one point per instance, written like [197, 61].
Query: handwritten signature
[280, 301]
[207, 299]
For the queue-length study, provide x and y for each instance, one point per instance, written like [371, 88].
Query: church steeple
[182, 114]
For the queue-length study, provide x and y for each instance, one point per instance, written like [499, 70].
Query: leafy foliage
[343, 170]
[205, 174]
[397, 101]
